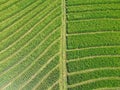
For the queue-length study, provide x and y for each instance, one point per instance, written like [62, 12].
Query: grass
[59, 45]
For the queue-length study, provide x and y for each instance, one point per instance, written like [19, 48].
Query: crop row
[76, 78]
[33, 34]
[30, 36]
[14, 9]
[6, 4]
[89, 2]
[93, 44]
[96, 62]
[96, 84]
[93, 25]
[96, 15]
[35, 59]
[24, 14]
[28, 20]
[92, 51]
[95, 7]
[36, 73]
[93, 40]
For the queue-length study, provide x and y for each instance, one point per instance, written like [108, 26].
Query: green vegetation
[93, 44]
[59, 44]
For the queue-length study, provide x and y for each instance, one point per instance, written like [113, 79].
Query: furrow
[22, 37]
[93, 80]
[89, 57]
[45, 77]
[92, 70]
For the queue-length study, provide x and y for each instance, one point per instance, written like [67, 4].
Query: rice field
[93, 44]
[59, 44]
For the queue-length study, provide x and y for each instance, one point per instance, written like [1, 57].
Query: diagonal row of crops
[59, 44]
[93, 44]
[30, 34]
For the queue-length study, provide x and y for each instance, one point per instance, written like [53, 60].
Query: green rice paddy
[59, 44]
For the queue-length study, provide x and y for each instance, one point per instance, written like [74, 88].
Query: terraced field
[59, 44]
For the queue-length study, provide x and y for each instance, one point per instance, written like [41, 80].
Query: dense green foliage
[93, 44]
[59, 44]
